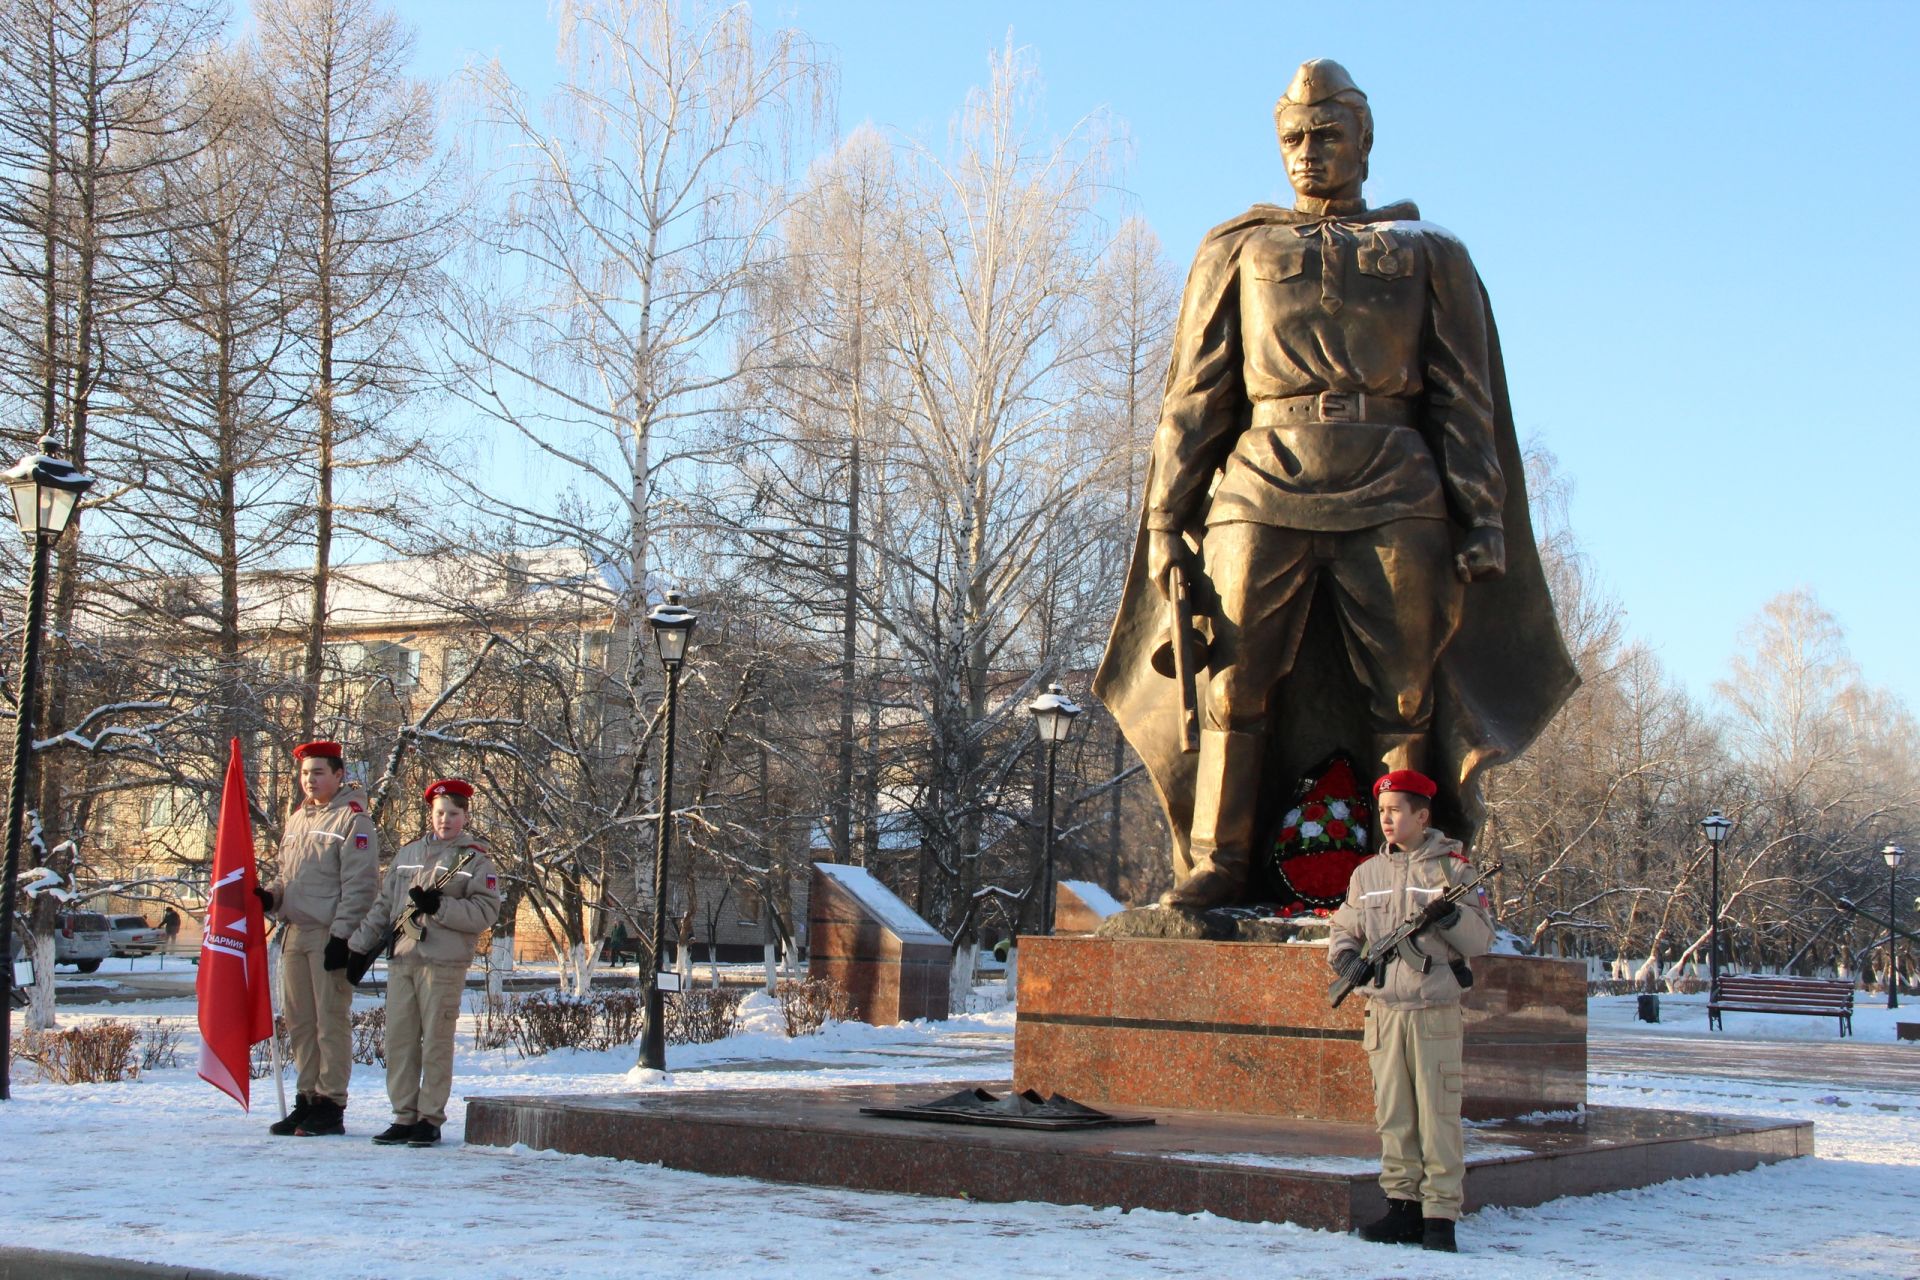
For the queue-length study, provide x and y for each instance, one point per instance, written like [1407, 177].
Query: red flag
[236, 1009]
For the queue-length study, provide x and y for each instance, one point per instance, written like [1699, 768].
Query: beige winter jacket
[1389, 887]
[329, 866]
[469, 903]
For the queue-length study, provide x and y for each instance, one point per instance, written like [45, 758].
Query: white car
[133, 936]
[83, 940]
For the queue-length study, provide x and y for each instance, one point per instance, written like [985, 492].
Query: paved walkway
[1885, 1068]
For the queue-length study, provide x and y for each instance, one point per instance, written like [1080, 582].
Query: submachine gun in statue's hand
[1371, 965]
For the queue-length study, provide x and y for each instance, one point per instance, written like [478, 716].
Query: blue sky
[1695, 220]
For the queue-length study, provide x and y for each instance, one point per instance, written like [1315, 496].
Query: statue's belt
[1336, 406]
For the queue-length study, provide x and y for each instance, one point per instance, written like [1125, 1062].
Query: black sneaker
[1437, 1234]
[1400, 1224]
[425, 1134]
[393, 1135]
[285, 1125]
[324, 1119]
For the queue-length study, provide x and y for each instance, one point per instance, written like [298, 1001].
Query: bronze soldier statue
[1335, 469]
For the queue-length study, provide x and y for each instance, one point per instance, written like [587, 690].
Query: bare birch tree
[360, 171]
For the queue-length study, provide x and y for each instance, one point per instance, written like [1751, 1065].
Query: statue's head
[1326, 131]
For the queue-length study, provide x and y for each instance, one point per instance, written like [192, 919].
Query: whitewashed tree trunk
[770, 953]
[960, 980]
[40, 1012]
[499, 965]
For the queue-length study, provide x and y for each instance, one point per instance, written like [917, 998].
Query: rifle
[1183, 658]
[1382, 951]
[409, 922]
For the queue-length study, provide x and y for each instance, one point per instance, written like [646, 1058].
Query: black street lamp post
[672, 624]
[1053, 713]
[45, 491]
[1893, 853]
[1716, 825]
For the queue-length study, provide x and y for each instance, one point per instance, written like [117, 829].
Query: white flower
[1360, 836]
[1340, 810]
[1310, 829]
[1291, 819]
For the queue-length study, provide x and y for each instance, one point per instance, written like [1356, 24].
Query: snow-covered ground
[165, 1169]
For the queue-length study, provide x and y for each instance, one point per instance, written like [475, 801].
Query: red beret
[1407, 780]
[450, 787]
[306, 749]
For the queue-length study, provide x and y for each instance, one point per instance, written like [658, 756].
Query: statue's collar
[1308, 209]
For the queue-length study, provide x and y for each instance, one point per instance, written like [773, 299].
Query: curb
[45, 1264]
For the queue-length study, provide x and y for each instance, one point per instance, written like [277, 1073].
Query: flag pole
[279, 1082]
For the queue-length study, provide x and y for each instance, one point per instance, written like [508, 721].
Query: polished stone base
[1251, 1168]
[1244, 1028]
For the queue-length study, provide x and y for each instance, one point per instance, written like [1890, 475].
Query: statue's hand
[1483, 556]
[1165, 549]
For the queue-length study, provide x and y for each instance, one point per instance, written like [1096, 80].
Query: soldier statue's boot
[1437, 1234]
[394, 1135]
[324, 1119]
[1226, 801]
[285, 1125]
[1401, 751]
[1400, 1224]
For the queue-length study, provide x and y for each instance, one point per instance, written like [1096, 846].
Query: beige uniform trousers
[318, 1007]
[423, 1005]
[1417, 1078]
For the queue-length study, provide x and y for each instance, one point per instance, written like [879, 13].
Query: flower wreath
[1323, 837]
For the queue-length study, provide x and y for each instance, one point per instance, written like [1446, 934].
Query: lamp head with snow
[1716, 825]
[1053, 713]
[46, 488]
[672, 624]
[1893, 853]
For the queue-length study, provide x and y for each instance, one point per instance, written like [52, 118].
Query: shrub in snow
[810, 1003]
[547, 1020]
[260, 1066]
[702, 1016]
[103, 1053]
[370, 1035]
[159, 1045]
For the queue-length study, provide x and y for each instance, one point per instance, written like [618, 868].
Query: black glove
[1442, 914]
[266, 899]
[427, 901]
[338, 953]
[1350, 966]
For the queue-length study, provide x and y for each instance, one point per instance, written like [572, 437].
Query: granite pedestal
[1250, 1168]
[1244, 1028]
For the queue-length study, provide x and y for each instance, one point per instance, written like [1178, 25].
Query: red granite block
[1244, 1027]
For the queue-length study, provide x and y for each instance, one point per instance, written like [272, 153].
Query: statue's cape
[1498, 684]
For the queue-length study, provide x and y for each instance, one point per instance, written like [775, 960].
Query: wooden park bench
[1750, 993]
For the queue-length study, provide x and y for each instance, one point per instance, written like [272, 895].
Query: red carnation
[1287, 835]
[1337, 829]
[1315, 812]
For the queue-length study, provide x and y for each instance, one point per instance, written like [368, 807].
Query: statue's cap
[1317, 80]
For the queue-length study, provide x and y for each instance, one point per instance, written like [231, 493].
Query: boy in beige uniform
[1413, 1030]
[329, 873]
[444, 892]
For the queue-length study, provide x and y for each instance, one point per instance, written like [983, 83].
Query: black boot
[393, 1135]
[1437, 1234]
[285, 1125]
[425, 1134]
[325, 1118]
[1400, 1224]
